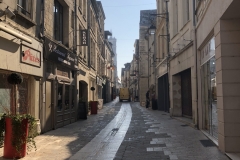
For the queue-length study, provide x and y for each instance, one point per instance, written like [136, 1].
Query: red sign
[30, 56]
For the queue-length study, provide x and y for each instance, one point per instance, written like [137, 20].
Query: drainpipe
[168, 55]
[196, 64]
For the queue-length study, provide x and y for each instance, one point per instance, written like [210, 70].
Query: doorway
[186, 93]
[163, 93]
[49, 107]
[209, 97]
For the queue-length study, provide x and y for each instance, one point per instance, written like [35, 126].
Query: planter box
[93, 106]
[10, 151]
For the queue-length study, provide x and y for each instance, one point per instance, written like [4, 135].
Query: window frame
[25, 7]
[58, 34]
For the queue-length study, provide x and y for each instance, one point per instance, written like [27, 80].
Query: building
[145, 54]
[109, 74]
[21, 52]
[218, 70]
[113, 41]
[59, 106]
[162, 56]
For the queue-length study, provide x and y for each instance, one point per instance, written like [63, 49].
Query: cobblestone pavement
[150, 134]
[154, 135]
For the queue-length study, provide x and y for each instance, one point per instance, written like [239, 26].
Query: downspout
[196, 68]
[168, 58]
[75, 96]
[42, 84]
[88, 27]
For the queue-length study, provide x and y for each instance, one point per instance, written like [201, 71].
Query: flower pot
[10, 151]
[94, 107]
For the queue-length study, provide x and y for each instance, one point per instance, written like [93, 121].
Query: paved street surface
[125, 131]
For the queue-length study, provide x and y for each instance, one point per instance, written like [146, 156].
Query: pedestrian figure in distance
[147, 99]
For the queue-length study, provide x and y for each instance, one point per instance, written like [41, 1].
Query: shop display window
[67, 97]
[60, 97]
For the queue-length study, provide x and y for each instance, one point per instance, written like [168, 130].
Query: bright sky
[122, 18]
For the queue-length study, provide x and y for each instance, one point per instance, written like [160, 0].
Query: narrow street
[125, 131]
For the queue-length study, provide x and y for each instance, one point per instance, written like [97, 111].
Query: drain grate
[207, 143]
[184, 125]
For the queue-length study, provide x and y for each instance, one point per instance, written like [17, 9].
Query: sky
[122, 19]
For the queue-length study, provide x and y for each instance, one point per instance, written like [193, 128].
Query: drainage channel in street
[106, 143]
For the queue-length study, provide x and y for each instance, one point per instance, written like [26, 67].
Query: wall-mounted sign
[99, 81]
[30, 56]
[59, 54]
[208, 51]
[84, 37]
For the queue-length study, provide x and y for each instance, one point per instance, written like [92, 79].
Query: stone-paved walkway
[154, 135]
[64, 142]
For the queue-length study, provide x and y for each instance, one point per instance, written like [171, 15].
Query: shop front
[59, 86]
[208, 89]
[24, 58]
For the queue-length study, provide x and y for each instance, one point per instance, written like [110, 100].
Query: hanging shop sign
[30, 56]
[99, 81]
[59, 54]
[84, 37]
[208, 51]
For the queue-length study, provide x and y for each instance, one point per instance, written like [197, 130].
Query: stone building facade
[59, 48]
[145, 41]
[21, 52]
[218, 68]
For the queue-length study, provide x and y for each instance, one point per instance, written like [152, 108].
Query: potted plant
[15, 127]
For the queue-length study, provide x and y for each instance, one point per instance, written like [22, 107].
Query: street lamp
[152, 29]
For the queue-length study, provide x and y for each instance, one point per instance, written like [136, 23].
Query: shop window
[25, 7]
[5, 93]
[61, 71]
[23, 97]
[8, 96]
[72, 97]
[58, 21]
[67, 105]
[60, 94]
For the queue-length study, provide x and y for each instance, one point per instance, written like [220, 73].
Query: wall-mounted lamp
[152, 29]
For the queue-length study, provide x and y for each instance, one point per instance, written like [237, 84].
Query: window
[72, 20]
[92, 53]
[175, 17]
[84, 8]
[58, 21]
[185, 11]
[60, 94]
[25, 7]
[80, 47]
[72, 105]
[67, 89]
